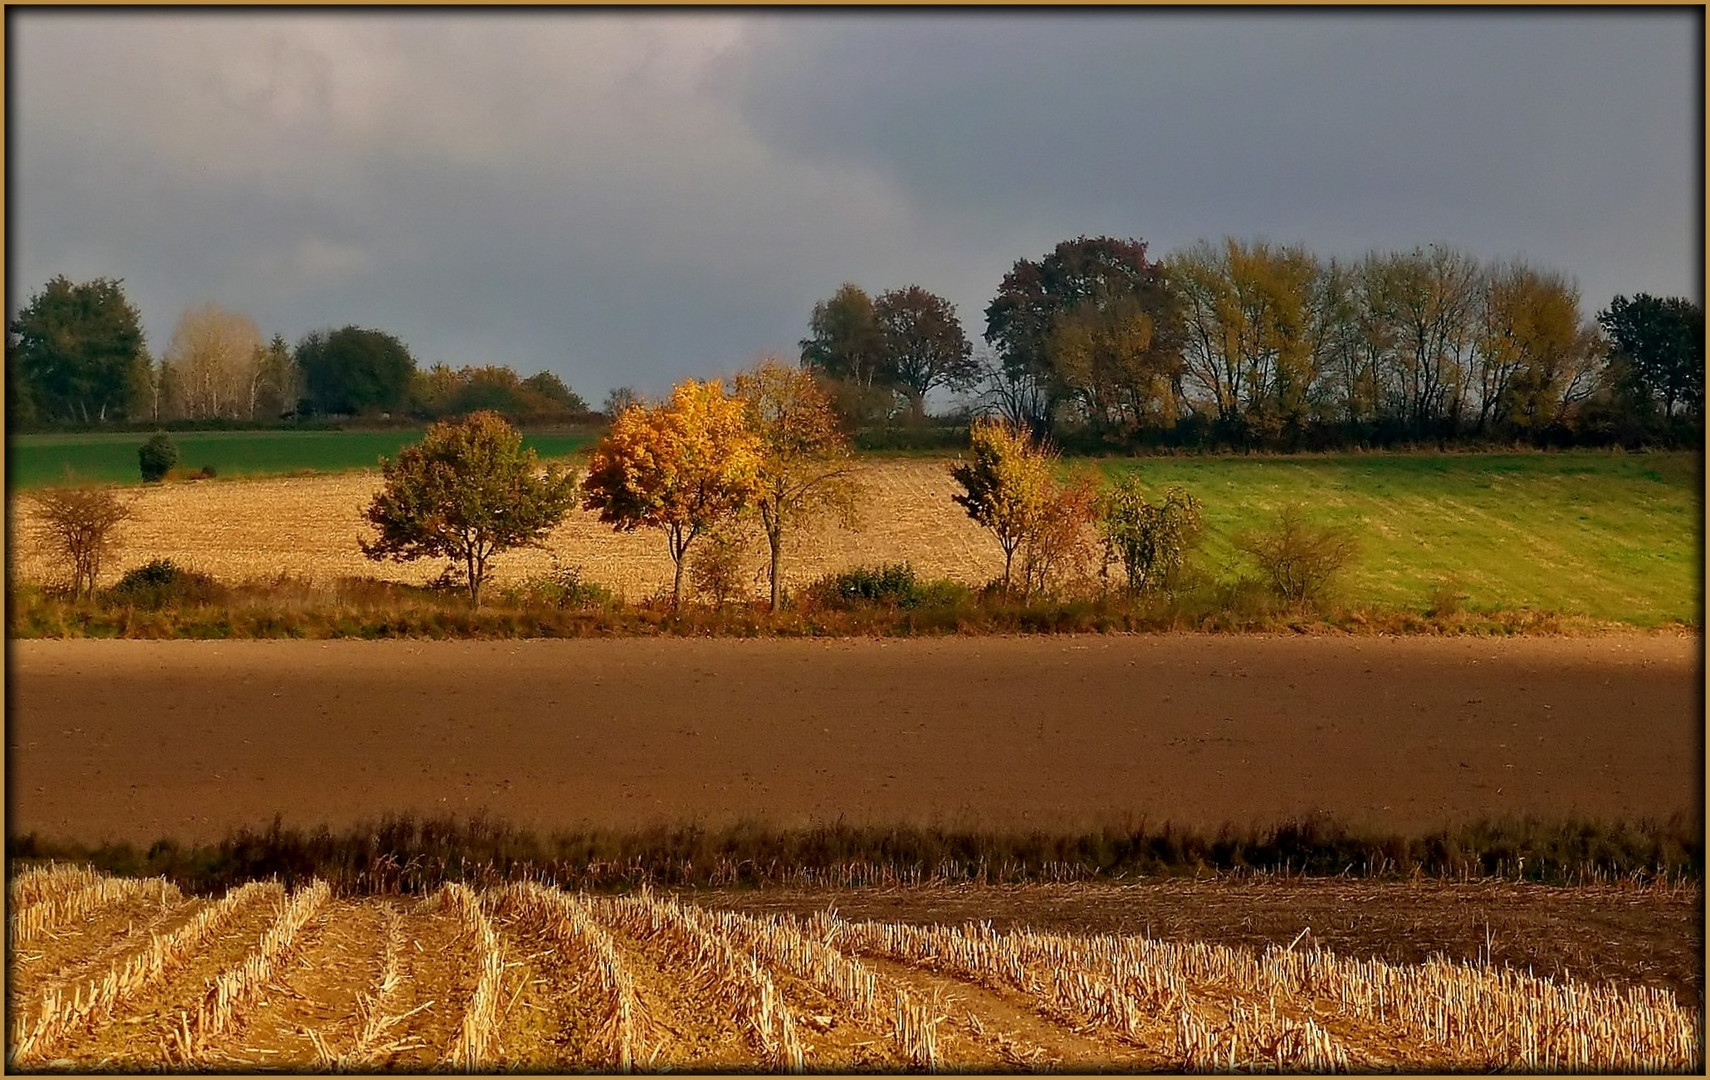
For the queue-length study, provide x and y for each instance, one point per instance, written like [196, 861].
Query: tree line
[1257, 345]
[76, 357]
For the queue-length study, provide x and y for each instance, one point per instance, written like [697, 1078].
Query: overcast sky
[631, 197]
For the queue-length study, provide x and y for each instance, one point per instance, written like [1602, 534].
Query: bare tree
[214, 365]
[78, 524]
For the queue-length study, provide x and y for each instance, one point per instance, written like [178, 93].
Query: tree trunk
[776, 543]
[677, 582]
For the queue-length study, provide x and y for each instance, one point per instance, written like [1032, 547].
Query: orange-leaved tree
[683, 466]
[805, 467]
[467, 491]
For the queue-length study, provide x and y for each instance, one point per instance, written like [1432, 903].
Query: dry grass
[307, 527]
[1190, 1005]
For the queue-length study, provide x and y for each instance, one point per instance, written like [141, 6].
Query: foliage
[717, 570]
[1059, 547]
[563, 588]
[71, 354]
[619, 398]
[685, 467]
[846, 342]
[1298, 558]
[805, 470]
[923, 345]
[1660, 342]
[78, 524]
[895, 584]
[1077, 280]
[156, 457]
[213, 366]
[159, 583]
[1005, 486]
[1150, 540]
[354, 371]
[466, 492]
[443, 391]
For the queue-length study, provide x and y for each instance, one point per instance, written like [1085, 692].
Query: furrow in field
[574, 1005]
[131, 1016]
[436, 979]
[310, 1010]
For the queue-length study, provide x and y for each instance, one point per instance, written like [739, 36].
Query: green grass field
[1606, 535]
[40, 460]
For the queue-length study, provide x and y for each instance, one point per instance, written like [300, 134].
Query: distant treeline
[1251, 345]
[76, 358]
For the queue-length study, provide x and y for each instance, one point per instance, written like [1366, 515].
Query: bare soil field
[135, 740]
[527, 976]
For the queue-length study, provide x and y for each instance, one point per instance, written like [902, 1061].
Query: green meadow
[40, 460]
[1606, 535]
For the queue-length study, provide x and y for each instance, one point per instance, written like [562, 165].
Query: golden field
[306, 526]
[132, 974]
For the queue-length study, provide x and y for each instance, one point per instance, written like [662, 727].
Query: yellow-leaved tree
[1006, 487]
[683, 467]
[805, 467]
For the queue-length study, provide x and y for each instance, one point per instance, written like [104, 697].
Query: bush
[79, 524]
[1150, 540]
[1298, 559]
[716, 569]
[894, 585]
[156, 457]
[563, 588]
[161, 582]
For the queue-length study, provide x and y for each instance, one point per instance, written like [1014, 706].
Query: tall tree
[1537, 355]
[355, 370]
[74, 347]
[1660, 344]
[923, 343]
[279, 383]
[684, 467]
[846, 350]
[213, 364]
[1077, 274]
[805, 469]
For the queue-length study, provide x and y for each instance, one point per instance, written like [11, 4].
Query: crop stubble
[711, 989]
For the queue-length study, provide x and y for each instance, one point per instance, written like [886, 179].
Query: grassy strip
[411, 855]
[34, 461]
[366, 609]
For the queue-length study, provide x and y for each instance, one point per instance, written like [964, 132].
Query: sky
[633, 197]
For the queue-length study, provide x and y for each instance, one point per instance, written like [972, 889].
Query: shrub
[716, 570]
[160, 582]
[894, 585]
[1150, 540]
[563, 588]
[156, 457]
[1297, 558]
[79, 524]
[1059, 546]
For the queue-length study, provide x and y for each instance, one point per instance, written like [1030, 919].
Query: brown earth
[138, 740]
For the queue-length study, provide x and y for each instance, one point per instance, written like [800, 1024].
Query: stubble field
[133, 975]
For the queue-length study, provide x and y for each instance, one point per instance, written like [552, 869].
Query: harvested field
[139, 740]
[307, 527]
[527, 976]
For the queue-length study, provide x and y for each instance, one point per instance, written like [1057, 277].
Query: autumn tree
[1537, 355]
[1005, 486]
[78, 524]
[1076, 277]
[923, 345]
[71, 353]
[846, 350]
[805, 471]
[683, 467]
[466, 492]
[213, 364]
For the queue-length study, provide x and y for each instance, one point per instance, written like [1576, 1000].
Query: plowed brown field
[139, 740]
[532, 977]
